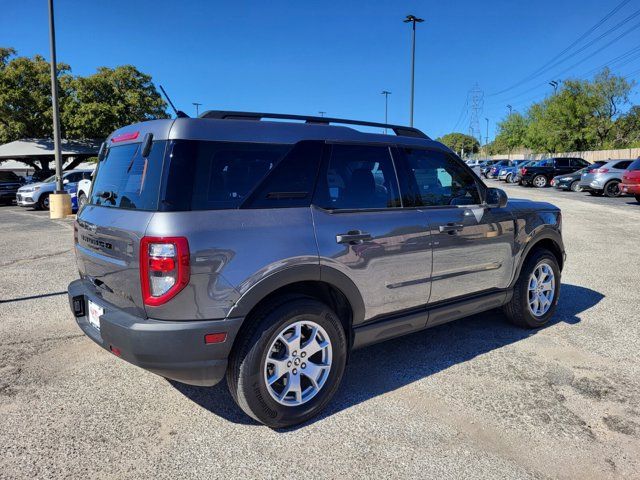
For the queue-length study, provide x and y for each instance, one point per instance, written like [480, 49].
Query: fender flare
[546, 233]
[300, 273]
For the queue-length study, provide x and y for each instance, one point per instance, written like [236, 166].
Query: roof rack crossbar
[232, 115]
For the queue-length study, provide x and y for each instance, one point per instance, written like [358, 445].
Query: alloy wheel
[298, 363]
[540, 181]
[541, 290]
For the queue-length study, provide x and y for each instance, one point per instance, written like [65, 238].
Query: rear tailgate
[107, 253]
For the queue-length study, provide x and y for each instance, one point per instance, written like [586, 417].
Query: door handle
[353, 237]
[451, 228]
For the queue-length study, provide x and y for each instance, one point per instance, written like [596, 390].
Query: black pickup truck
[9, 185]
[540, 176]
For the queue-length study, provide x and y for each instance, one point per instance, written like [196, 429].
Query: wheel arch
[325, 284]
[549, 239]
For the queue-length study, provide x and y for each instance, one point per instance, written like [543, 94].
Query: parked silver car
[606, 179]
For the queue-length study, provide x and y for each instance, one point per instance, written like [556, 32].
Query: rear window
[127, 180]
[216, 175]
[635, 165]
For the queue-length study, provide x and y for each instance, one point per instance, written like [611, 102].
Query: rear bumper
[174, 350]
[630, 188]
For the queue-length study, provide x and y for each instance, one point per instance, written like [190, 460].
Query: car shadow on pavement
[407, 359]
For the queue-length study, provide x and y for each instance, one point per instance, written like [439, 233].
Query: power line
[462, 112]
[553, 62]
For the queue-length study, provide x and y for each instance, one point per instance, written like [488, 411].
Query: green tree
[109, 99]
[626, 130]
[459, 141]
[511, 132]
[25, 95]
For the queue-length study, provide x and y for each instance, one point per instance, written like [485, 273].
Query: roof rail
[230, 115]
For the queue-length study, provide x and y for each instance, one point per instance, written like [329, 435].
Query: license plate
[94, 314]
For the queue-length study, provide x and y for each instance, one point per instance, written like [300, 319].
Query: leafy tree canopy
[459, 141]
[90, 107]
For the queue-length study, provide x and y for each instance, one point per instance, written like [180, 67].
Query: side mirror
[496, 198]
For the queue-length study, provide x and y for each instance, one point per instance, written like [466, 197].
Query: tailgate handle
[353, 237]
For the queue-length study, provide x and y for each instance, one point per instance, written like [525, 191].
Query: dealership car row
[610, 178]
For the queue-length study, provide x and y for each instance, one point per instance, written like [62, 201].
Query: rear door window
[622, 165]
[562, 162]
[358, 177]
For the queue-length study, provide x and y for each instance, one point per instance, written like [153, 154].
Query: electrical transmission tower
[476, 104]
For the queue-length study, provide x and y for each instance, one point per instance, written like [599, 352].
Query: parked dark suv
[9, 185]
[266, 251]
[541, 175]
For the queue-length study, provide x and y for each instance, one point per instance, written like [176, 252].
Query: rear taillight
[523, 171]
[164, 268]
[601, 170]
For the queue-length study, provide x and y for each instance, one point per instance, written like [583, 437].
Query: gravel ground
[475, 398]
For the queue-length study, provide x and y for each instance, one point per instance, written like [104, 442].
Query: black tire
[612, 189]
[541, 180]
[637, 197]
[575, 186]
[595, 193]
[43, 202]
[508, 178]
[245, 374]
[517, 310]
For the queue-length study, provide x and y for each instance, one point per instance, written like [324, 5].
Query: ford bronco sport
[265, 251]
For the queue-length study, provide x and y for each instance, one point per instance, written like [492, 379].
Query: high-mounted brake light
[164, 268]
[125, 136]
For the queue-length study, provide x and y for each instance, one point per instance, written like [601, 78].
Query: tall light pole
[60, 202]
[554, 84]
[510, 109]
[386, 107]
[197, 105]
[321, 113]
[413, 20]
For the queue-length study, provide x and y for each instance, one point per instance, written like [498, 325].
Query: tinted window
[578, 162]
[216, 175]
[291, 182]
[8, 177]
[622, 165]
[562, 162]
[635, 165]
[435, 178]
[357, 176]
[126, 180]
[73, 177]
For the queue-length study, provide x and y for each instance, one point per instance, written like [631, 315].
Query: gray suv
[266, 251]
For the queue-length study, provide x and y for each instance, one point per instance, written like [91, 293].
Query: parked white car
[36, 195]
[84, 187]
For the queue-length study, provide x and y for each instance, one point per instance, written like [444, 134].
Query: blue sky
[335, 56]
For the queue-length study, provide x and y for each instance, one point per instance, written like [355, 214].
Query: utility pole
[59, 201]
[413, 20]
[486, 138]
[510, 109]
[386, 107]
[197, 105]
[321, 113]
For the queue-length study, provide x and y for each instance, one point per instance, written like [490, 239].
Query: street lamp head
[385, 92]
[413, 18]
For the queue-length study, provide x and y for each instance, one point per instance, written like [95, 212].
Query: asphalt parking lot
[476, 398]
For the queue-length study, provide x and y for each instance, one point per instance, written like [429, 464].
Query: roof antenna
[179, 113]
